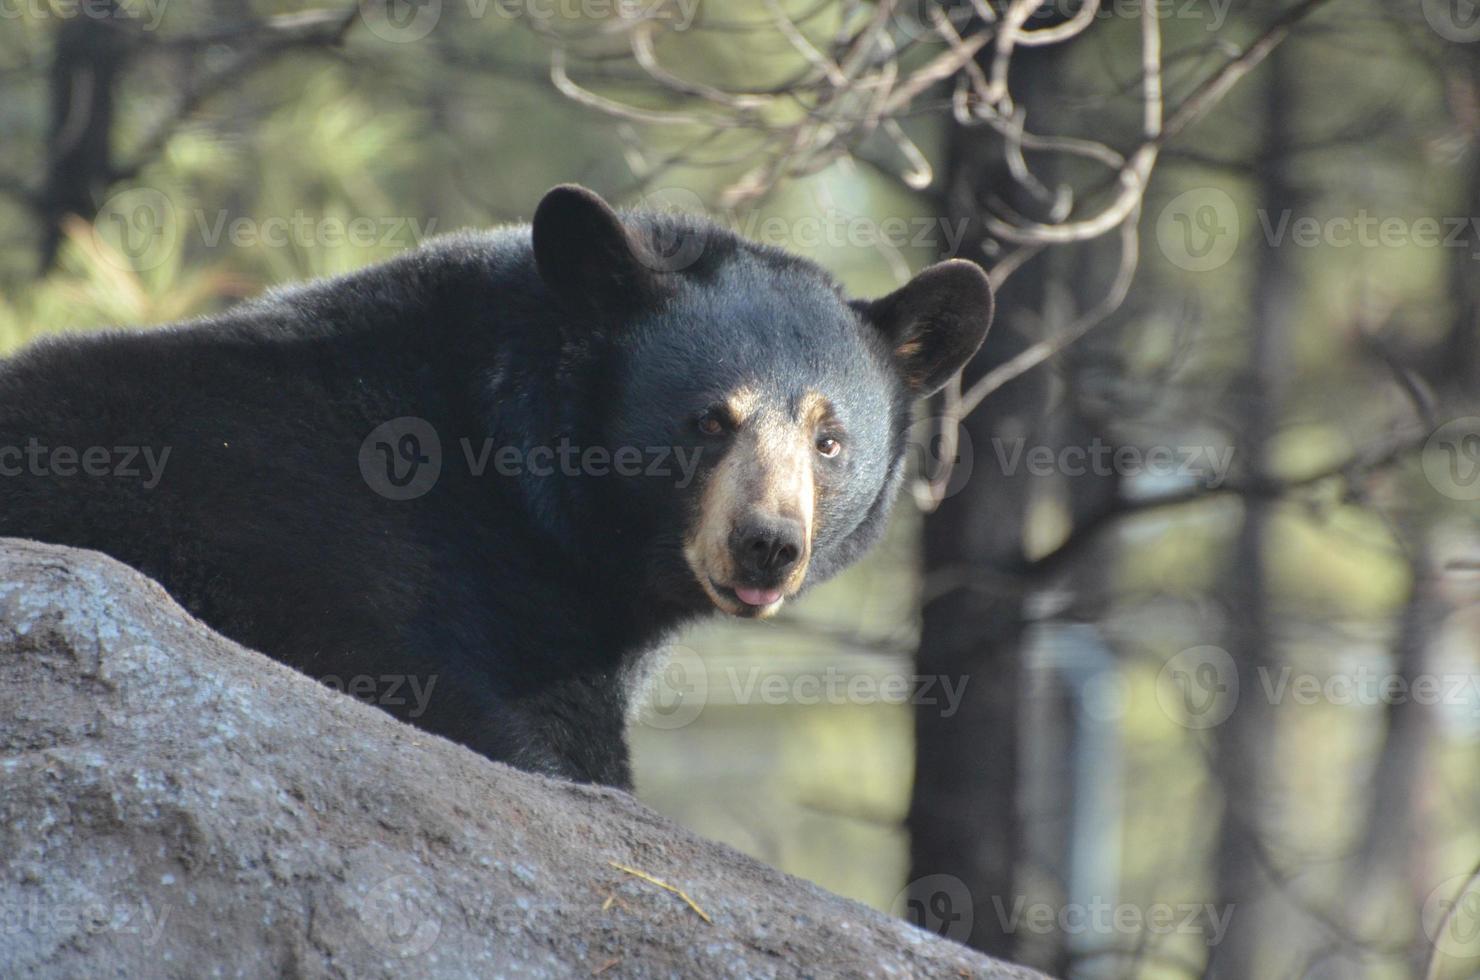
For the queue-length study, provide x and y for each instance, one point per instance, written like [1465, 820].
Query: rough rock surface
[172, 804]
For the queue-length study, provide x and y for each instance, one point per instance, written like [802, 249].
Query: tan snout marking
[768, 472]
[781, 477]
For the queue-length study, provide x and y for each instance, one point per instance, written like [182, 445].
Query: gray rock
[172, 804]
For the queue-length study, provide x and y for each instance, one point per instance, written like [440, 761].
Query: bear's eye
[711, 424]
[829, 447]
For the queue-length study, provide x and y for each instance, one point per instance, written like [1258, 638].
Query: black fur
[527, 600]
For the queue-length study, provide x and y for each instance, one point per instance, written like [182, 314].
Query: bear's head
[783, 407]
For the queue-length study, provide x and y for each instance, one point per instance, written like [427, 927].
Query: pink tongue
[758, 597]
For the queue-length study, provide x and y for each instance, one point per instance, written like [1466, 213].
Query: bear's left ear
[935, 322]
[586, 256]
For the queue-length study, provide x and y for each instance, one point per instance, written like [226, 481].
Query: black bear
[502, 465]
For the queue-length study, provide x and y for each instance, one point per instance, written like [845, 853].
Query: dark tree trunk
[90, 55]
[1456, 366]
[964, 816]
[1395, 840]
[1389, 864]
[1243, 742]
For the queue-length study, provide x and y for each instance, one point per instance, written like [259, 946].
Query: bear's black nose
[766, 547]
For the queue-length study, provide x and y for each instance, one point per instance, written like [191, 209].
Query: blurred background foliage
[463, 129]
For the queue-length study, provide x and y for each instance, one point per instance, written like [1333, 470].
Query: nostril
[767, 548]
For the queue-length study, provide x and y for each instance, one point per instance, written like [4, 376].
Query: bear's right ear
[934, 323]
[586, 256]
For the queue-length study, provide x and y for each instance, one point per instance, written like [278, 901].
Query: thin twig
[665, 886]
